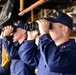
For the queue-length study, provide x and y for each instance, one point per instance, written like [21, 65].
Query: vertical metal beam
[32, 15]
[45, 13]
[21, 5]
[41, 14]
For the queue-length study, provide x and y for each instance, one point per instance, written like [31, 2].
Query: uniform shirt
[6, 69]
[17, 67]
[54, 60]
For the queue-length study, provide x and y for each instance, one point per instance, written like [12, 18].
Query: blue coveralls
[17, 66]
[54, 60]
[6, 69]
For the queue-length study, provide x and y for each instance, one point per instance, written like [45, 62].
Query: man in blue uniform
[57, 50]
[17, 67]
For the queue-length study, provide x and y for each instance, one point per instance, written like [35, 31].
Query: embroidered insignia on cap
[52, 16]
[16, 24]
[57, 14]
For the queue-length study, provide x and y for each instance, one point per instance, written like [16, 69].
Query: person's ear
[65, 29]
[23, 31]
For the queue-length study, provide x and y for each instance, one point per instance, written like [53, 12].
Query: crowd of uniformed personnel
[53, 53]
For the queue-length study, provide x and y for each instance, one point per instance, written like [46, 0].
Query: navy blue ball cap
[62, 18]
[20, 24]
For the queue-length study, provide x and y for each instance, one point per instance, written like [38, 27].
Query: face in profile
[18, 34]
[57, 31]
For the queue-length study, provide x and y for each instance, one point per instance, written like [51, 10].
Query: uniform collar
[67, 44]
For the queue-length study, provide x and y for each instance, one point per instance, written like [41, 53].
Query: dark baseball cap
[20, 24]
[62, 18]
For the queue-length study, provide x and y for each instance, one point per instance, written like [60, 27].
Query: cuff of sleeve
[45, 36]
[7, 38]
[0, 41]
[29, 42]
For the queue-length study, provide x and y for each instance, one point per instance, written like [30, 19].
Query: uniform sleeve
[10, 48]
[29, 53]
[0, 49]
[6, 69]
[56, 58]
